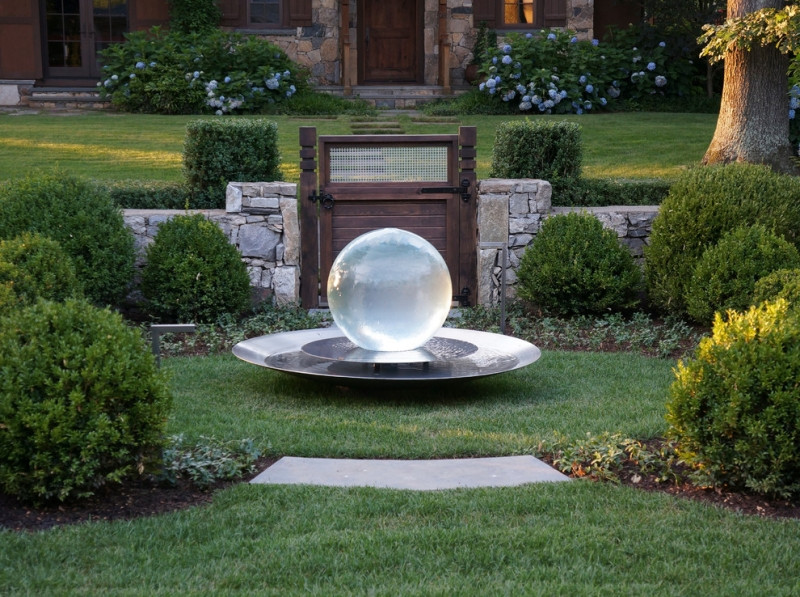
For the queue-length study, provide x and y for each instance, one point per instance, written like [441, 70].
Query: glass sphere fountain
[389, 293]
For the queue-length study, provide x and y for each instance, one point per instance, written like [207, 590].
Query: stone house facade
[347, 45]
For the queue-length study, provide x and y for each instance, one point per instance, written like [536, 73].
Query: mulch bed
[138, 499]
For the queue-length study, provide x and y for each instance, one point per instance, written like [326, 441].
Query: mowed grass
[566, 393]
[112, 146]
[573, 538]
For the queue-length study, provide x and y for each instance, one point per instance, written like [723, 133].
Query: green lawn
[110, 146]
[575, 538]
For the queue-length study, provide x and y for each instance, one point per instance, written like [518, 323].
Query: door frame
[90, 68]
[419, 28]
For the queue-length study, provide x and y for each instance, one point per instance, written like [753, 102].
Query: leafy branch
[765, 27]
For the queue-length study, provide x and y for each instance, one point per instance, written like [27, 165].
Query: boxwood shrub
[575, 266]
[149, 194]
[81, 401]
[217, 152]
[734, 407]
[783, 283]
[545, 150]
[702, 205]
[82, 218]
[726, 274]
[193, 273]
[33, 266]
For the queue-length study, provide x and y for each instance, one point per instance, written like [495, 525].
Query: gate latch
[326, 200]
[463, 298]
[462, 190]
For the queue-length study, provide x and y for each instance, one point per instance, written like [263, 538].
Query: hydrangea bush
[217, 72]
[554, 72]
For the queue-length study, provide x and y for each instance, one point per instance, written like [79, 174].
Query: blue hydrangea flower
[563, 94]
[662, 44]
[525, 105]
[521, 88]
[140, 64]
[536, 100]
[587, 104]
[660, 80]
[613, 92]
[506, 49]
[491, 83]
[589, 88]
[152, 64]
[494, 59]
[551, 36]
[286, 73]
[114, 77]
[603, 101]
[651, 66]
[582, 80]
[481, 86]
[552, 93]
[196, 74]
[794, 103]
[226, 80]
[573, 40]
[595, 42]
[507, 59]
[132, 76]
[272, 83]
[791, 114]
[528, 35]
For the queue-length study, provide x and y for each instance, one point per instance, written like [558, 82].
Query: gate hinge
[325, 199]
[463, 298]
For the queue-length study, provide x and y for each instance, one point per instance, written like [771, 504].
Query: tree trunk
[753, 122]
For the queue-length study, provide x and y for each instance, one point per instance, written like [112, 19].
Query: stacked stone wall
[511, 212]
[260, 219]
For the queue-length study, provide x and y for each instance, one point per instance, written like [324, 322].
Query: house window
[265, 12]
[520, 14]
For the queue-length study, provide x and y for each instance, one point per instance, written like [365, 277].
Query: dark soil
[137, 499]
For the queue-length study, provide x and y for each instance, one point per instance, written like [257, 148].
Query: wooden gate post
[309, 240]
[468, 258]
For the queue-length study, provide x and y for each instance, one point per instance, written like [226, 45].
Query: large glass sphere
[389, 290]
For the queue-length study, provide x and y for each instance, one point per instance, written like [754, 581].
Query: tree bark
[753, 122]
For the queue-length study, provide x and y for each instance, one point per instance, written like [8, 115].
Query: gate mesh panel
[388, 164]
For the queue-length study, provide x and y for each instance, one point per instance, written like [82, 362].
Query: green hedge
[549, 151]
[217, 152]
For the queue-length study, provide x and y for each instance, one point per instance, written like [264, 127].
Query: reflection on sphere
[389, 290]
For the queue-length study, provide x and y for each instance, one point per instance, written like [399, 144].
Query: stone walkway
[422, 475]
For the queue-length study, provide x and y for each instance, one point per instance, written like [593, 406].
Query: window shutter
[300, 13]
[555, 13]
[233, 14]
[484, 10]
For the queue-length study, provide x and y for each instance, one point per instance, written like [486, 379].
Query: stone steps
[393, 97]
[65, 98]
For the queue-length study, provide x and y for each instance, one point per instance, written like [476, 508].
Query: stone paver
[506, 471]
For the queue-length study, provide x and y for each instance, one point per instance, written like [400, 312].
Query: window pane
[265, 12]
[518, 12]
[55, 28]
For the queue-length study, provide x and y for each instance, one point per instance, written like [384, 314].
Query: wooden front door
[421, 183]
[390, 35]
[76, 30]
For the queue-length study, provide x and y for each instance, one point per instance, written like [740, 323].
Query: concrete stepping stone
[505, 471]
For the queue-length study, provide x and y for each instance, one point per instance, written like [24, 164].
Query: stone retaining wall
[260, 219]
[511, 212]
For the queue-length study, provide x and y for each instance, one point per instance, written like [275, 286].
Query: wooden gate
[421, 183]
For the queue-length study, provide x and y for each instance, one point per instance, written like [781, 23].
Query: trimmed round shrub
[734, 408]
[81, 401]
[34, 266]
[702, 205]
[82, 218]
[193, 273]
[576, 266]
[725, 276]
[783, 283]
